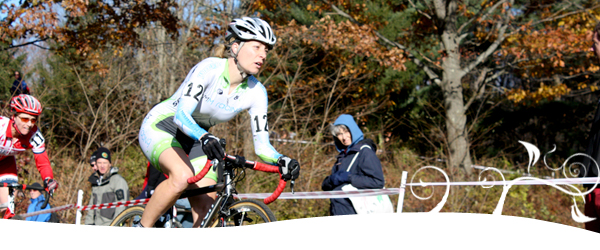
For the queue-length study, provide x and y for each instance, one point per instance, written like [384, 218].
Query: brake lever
[292, 185]
[214, 163]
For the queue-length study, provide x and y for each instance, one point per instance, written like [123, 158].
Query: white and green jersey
[202, 101]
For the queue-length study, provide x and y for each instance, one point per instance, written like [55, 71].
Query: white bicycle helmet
[247, 28]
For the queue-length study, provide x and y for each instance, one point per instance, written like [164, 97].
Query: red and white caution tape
[115, 204]
[92, 207]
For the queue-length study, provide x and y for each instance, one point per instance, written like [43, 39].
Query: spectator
[356, 164]
[592, 200]
[93, 179]
[93, 162]
[107, 187]
[37, 200]
[19, 85]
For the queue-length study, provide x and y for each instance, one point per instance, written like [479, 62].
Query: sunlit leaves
[556, 49]
[542, 93]
[88, 27]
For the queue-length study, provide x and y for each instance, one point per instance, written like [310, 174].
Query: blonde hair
[219, 51]
[223, 50]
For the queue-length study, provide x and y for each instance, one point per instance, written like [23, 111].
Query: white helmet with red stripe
[26, 104]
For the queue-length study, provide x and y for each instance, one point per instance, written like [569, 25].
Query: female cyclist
[17, 134]
[174, 135]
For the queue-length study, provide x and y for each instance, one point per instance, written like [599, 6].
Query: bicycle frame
[220, 204]
[226, 189]
[224, 193]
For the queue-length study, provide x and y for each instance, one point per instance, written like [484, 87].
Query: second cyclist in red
[18, 134]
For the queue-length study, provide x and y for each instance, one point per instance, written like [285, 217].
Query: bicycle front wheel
[128, 216]
[246, 212]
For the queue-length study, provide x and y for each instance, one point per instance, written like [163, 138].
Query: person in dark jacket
[356, 164]
[592, 200]
[19, 86]
[37, 200]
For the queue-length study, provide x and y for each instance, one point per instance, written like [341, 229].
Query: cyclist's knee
[179, 181]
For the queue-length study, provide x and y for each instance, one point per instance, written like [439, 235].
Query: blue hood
[348, 121]
[38, 199]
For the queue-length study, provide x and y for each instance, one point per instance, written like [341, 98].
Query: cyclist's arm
[42, 162]
[192, 91]
[260, 129]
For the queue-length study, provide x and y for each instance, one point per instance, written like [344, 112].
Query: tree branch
[480, 14]
[430, 73]
[26, 44]
[491, 49]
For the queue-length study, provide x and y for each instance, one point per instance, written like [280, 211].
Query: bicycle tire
[128, 216]
[131, 214]
[246, 212]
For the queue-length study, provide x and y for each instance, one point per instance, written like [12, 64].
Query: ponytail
[219, 51]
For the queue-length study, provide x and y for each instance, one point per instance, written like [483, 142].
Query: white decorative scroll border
[534, 155]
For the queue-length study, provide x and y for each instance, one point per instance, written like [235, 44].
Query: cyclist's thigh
[8, 174]
[175, 164]
[3, 196]
[157, 134]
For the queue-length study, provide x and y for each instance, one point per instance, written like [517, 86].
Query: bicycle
[10, 212]
[134, 214]
[225, 211]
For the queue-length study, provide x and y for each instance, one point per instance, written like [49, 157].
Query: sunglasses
[26, 120]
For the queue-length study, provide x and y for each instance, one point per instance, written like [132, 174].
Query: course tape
[335, 194]
[51, 210]
[92, 207]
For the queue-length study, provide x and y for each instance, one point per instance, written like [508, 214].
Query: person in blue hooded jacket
[356, 163]
[37, 200]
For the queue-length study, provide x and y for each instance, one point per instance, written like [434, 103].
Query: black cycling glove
[211, 147]
[289, 168]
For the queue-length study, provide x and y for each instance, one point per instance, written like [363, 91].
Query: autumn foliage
[517, 71]
[88, 27]
[554, 59]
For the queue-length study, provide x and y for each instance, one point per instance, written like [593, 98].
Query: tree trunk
[456, 120]
[454, 104]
